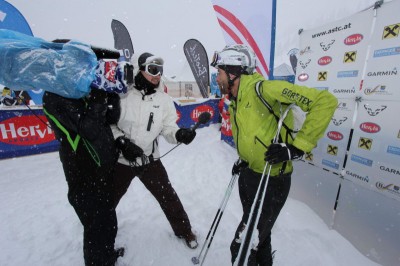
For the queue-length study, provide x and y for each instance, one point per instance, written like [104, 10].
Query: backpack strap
[289, 131]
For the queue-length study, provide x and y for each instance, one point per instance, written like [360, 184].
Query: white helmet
[236, 55]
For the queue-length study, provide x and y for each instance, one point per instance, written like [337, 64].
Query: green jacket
[254, 127]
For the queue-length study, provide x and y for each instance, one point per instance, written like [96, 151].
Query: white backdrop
[357, 59]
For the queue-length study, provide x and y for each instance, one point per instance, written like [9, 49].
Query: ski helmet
[237, 57]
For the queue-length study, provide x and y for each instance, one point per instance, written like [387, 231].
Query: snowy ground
[38, 227]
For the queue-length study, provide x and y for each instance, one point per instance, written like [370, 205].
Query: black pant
[91, 193]
[275, 197]
[155, 178]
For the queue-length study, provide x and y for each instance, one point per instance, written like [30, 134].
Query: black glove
[185, 135]
[129, 150]
[238, 166]
[281, 152]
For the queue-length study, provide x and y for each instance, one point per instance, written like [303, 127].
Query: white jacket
[135, 121]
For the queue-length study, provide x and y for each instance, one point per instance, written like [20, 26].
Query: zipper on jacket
[150, 121]
[237, 127]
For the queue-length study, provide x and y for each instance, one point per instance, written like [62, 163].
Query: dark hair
[142, 59]
[234, 70]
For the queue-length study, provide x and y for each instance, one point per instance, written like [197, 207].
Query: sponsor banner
[197, 57]
[25, 132]
[122, 40]
[382, 77]
[357, 60]
[331, 149]
[226, 127]
[332, 57]
[188, 114]
[375, 147]
[240, 23]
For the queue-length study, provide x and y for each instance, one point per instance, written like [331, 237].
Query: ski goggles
[153, 69]
[215, 59]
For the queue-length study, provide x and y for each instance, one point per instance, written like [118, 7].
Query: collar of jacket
[145, 97]
[247, 84]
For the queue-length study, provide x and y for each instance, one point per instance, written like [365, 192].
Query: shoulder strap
[257, 88]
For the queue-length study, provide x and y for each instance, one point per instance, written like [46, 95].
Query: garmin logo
[383, 73]
[350, 91]
[362, 178]
[389, 170]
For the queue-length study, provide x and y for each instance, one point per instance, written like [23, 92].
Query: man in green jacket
[255, 108]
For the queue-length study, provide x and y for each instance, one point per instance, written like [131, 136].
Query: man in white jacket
[147, 113]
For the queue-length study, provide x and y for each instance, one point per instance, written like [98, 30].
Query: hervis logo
[325, 60]
[335, 135]
[303, 77]
[370, 127]
[199, 110]
[25, 131]
[353, 39]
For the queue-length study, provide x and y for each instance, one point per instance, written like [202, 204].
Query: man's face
[222, 81]
[153, 79]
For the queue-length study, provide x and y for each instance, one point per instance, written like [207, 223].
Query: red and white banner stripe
[250, 23]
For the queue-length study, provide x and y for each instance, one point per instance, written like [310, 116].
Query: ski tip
[195, 260]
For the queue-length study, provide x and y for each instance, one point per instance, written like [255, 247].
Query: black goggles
[154, 69]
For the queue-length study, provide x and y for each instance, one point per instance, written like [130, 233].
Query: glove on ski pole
[281, 152]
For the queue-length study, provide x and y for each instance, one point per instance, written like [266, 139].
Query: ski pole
[215, 223]
[242, 258]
